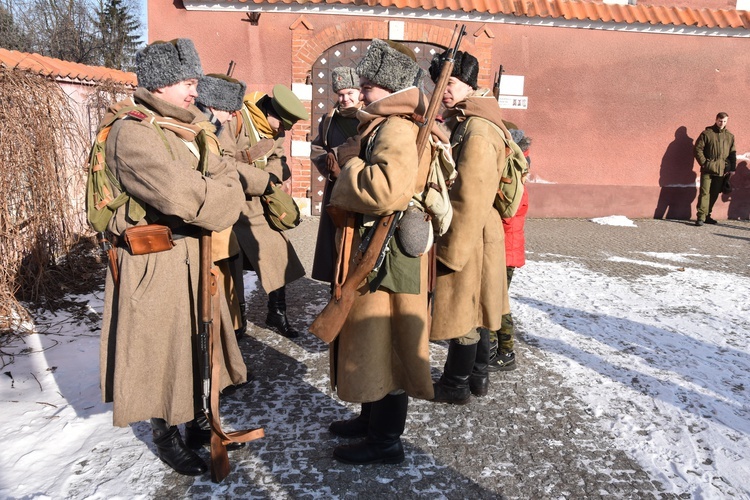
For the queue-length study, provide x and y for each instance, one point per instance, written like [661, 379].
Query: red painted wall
[613, 115]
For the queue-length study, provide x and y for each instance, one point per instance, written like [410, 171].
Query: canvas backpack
[101, 184]
[510, 190]
[435, 198]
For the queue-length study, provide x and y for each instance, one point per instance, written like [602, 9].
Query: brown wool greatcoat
[384, 344]
[269, 251]
[150, 319]
[472, 291]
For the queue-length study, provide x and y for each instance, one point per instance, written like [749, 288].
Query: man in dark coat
[335, 128]
[715, 153]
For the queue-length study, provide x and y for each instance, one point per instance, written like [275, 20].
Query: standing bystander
[715, 153]
[335, 128]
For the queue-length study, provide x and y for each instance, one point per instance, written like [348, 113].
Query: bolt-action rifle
[330, 321]
[496, 85]
[211, 352]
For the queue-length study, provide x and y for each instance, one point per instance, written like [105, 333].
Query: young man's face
[722, 122]
[348, 97]
[181, 94]
[221, 115]
[455, 92]
[369, 92]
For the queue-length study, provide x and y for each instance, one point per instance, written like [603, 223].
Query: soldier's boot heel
[355, 427]
[383, 443]
[276, 318]
[479, 380]
[172, 450]
[453, 386]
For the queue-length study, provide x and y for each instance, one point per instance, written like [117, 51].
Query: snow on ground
[663, 362]
[614, 220]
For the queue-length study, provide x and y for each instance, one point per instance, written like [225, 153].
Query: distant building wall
[613, 109]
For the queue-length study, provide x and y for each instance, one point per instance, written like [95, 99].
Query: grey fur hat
[162, 64]
[344, 77]
[220, 92]
[388, 68]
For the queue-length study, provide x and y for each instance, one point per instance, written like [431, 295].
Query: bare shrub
[43, 149]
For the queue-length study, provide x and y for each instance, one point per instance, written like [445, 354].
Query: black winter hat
[465, 68]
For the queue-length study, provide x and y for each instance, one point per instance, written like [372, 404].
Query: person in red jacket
[502, 353]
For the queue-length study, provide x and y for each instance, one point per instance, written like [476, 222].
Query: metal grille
[348, 54]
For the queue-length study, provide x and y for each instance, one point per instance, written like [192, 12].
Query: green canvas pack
[510, 190]
[280, 209]
[104, 194]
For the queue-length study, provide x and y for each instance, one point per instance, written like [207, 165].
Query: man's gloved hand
[272, 181]
[332, 165]
[348, 150]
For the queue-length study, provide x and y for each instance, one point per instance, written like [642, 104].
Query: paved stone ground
[529, 438]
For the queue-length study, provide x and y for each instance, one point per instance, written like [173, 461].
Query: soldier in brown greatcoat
[148, 358]
[381, 356]
[471, 289]
[268, 252]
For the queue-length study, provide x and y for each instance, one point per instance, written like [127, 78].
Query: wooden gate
[323, 99]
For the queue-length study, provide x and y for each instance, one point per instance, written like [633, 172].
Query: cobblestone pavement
[530, 437]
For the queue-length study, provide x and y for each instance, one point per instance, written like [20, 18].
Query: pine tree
[118, 29]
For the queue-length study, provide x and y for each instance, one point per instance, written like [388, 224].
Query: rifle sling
[344, 255]
[221, 469]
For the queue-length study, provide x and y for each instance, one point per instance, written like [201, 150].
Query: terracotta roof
[57, 68]
[555, 9]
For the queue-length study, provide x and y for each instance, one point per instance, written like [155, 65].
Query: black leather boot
[173, 452]
[276, 318]
[354, 427]
[198, 434]
[479, 381]
[383, 442]
[453, 386]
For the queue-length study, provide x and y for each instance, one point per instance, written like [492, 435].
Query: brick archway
[308, 45]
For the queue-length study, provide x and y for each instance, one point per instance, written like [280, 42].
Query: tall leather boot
[479, 381]
[276, 318]
[198, 434]
[453, 386]
[354, 427]
[383, 442]
[173, 452]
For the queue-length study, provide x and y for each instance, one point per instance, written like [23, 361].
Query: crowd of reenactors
[201, 154]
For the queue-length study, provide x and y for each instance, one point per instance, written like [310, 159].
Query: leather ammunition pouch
[152, 238]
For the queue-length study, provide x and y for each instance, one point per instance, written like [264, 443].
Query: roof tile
[57, 68]
[565, 9]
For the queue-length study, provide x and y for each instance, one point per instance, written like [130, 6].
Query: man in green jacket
[715, 153]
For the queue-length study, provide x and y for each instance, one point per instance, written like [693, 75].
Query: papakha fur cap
[162, 64]
[220, 92]
[344, 78]
[388, 68]
[465, 68]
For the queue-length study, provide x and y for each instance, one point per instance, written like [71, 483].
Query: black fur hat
[388, 67]
[220, 92]
[465, 68]
[162, 64]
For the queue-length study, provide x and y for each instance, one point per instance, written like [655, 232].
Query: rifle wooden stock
[331, 319]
